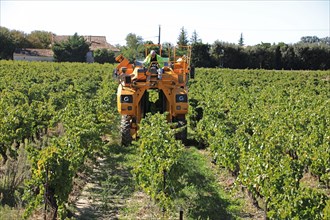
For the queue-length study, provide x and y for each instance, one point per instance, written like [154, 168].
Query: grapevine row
[269, 128]
[57, 112]
[158, 154]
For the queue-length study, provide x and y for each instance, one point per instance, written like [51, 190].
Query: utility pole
[159, 35]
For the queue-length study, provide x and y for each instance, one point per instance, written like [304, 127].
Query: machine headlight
[126, 99]
[181, 98]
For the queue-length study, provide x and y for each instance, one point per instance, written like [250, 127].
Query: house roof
[34, 52]
[96, 42]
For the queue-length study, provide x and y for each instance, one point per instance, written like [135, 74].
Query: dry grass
[311, 181]
[12, 176]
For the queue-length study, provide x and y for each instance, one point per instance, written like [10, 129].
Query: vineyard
[54, 115]
[269, 129]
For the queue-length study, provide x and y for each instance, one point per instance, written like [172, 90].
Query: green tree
[200, 56]
[183, 37]
[40, 39]
[312, 56]
[241, 40]
[309, 39]
[325, 40]
[134, 47]
[166, 46]
[7, 44]
[194, 38]
[20, 39]
[278, 55]
[228, 55]
[289, 58]
[104, 56]
[72, 50]
[263, 56]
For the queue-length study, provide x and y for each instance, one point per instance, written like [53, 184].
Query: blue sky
[259, 21]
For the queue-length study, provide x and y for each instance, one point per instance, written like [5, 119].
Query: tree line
[310, 53]
[74, 49]
[298, 56]
[12, 39]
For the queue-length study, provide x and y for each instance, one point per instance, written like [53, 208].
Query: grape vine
[269, 128]
[59, 112]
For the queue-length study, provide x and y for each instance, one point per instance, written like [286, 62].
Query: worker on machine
[156, 61]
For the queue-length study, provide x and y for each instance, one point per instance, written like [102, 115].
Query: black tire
[125, 130]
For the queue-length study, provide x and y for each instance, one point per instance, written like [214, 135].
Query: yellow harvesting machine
[137, 81]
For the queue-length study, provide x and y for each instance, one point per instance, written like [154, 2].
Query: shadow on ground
[197, 190]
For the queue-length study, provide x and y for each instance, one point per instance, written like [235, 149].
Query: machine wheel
[125, 129]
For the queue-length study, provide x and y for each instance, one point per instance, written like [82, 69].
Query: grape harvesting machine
[136, 80]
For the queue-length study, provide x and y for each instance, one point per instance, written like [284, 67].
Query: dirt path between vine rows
[107, 189]
[110, 192]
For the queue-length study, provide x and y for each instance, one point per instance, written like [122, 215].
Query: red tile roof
[96, 42]
[35, 52]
